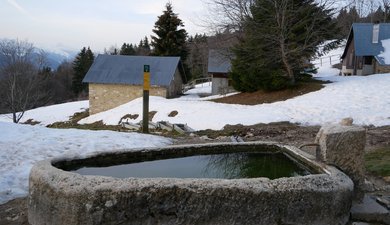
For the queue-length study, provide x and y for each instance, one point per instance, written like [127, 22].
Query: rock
[360, 223]
[234, 138]
[369, 186]
[346, 121]
[205, 138]
[370, 211]
[343, 146]
[249, 135]
[222, 138]
[384, 200]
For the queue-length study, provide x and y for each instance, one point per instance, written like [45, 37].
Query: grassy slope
[378, 162]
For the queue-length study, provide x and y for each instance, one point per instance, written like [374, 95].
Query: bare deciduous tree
[227, 15]
[19, 74]
[366, 7]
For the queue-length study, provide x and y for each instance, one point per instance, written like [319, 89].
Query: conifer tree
[280, 37]
[127, 49]
[144, 47]
[170, 39]
[81, 65]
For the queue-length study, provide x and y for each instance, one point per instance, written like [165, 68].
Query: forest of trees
[272, 40]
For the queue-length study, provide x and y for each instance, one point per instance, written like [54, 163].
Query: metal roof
[120, 69]
[219, 61]
[362, 34]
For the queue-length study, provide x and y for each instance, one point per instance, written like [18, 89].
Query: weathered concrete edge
[71, 184]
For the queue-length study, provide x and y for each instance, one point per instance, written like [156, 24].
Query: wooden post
[145, 118]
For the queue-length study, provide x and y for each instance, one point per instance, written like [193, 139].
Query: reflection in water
[226, 166]
[252, 165]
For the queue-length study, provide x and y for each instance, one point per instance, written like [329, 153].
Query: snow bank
[50, 114]
[203, 88]
[23, 145]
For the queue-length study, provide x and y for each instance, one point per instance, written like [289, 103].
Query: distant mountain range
[54, 59]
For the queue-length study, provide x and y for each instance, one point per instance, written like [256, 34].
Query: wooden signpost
[145, 118]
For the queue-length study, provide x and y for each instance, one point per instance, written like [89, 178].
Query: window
[367, 60]
[375, 34]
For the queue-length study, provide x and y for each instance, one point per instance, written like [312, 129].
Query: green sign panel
[146, 68]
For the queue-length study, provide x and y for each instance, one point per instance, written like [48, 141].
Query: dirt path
[15, 212]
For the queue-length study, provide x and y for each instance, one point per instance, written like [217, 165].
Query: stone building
[114, 80]
[364, 53]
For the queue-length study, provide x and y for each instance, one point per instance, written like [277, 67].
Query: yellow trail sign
[146, 81]
[146, 77]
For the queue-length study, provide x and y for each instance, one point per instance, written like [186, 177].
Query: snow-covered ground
[23, 145]
[365, 99]
[325, 62]
[50, 114]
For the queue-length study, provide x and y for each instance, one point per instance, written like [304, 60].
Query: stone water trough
[63, 197]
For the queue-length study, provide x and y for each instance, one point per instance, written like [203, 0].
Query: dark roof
[119, 69]
[219, 61]
[362, 37]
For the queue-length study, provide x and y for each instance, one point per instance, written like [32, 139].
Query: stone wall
[382, 69]
[103, 97]
[219, 85]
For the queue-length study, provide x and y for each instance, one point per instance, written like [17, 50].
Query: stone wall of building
[103, 97]
[382, 69]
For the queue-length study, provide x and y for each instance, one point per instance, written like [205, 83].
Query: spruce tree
[170, 39]
[280, 37]
[143, 47]
[127, 49]
[81, 65]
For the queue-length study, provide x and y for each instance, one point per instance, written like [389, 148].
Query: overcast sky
[72, 24]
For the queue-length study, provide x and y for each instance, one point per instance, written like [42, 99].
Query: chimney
[375, 33]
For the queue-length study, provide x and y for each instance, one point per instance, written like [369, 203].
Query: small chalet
[114, 80]
[363, 54]
[219, 65]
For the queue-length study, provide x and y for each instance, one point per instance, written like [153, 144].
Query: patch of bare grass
[127, 117]
[378, 162]
[73, 123]
[173, 113]
[260, 97]
[31, 122]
